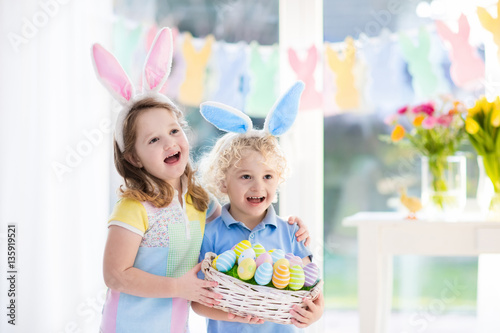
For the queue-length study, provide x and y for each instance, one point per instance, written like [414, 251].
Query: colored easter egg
[264, 257]
[214, 263]
[242, 246]
[297, 277]
[248, 253]
[246, 269]
[293, 259]
[226, 261]
[277, 254]
[264, 274]
[296, 260]
[281, 277]
[311, 272]
[259, 249]
[281, 261]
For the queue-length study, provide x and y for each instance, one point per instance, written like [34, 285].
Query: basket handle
[207, 262]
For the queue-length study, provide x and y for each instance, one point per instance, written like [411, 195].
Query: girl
[156, 229]
[246, 167]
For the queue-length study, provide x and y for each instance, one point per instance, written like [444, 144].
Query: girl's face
[251, 187]
[161, 145]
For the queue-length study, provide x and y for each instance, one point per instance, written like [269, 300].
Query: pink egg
[264, 257]
[294, 260]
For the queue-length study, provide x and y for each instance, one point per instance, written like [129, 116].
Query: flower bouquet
[435, 130]
[482, 127]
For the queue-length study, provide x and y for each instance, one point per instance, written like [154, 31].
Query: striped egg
[259, 249]
[225, 261]
[248, 253]
[246, 269]
[281, 261]
[264, 274]
[277, 254]
[297, 277]
[311, 272]
[264, 257]
[242, 246]
[281, 277]
[214, 262]
[296, 261]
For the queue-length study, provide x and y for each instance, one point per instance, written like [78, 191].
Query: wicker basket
[245, 299]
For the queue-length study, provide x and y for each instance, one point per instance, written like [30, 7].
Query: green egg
[297, 277]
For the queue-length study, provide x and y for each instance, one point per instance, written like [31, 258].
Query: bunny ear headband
[278, 121]
[156, 71]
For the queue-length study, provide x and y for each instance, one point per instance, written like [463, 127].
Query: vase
[488, 195]
[444, 187]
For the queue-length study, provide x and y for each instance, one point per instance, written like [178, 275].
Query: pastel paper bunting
[192, 89]
[311, 98]
[233, 77]
[263, 81]
[491, 24]
[467, 68]
[346, 96]
[425, 81]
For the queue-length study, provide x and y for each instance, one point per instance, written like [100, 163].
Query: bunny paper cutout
[278, 121]
[387, 72]
[263, 81]
[425, 81]
[347, 96]
[192, 89]
[491, 24]
[467, 67]
[156, 71]
[311, 98]
[233, 81]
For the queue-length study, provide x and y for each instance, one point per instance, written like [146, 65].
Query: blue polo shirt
[273, 233]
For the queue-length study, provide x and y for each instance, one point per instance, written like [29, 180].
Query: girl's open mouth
[256, 199]
[173, 158]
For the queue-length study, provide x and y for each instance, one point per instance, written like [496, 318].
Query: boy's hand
[305, 317]
[246, 320]
[194, 289]
[302, 233]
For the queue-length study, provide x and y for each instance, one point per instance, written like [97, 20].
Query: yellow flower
[495, 115]
[471, 126]
[398, 133]
[418, 120]
[482, 105]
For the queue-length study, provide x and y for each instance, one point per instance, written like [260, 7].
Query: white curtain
[55, 151]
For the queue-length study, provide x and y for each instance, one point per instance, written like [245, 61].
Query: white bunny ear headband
[278, 121]
[156, 71]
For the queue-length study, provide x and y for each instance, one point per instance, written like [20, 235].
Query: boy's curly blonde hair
[229, 150]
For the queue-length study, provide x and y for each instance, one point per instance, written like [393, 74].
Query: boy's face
[251, 187]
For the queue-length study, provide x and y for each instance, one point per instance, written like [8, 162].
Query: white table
[382, 235]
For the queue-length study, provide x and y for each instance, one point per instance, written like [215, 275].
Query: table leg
[374, 282]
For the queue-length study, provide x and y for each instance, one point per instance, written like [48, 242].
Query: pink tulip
[427, 108]
[429, 122]
[403, 109]
[445, 120]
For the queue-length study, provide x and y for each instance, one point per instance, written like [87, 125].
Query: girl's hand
[302, 233]
[305, 317]
[196, 290]
[246, 320]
